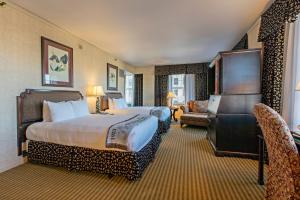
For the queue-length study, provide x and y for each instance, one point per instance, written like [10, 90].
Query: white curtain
[296, 62]
[291, 98]
[189, 87]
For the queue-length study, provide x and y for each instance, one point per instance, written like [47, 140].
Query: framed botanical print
[57, 64]
[112, 77]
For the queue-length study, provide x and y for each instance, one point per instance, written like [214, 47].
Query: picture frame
[112, 77]
[57, 64]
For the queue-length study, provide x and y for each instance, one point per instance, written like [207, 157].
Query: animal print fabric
[164, 126]
[283, 181]
[280, 11]
[273, 67]
[272, 34]
[128, 164]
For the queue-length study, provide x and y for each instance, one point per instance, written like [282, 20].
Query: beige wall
[148, 84]
[253, 34]
[20, 68]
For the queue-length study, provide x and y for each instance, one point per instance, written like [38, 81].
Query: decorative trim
[280, 12]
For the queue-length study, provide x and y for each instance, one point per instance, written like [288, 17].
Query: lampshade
[298, 86]
[171, 95]
[98, 91]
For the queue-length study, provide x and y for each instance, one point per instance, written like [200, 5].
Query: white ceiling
[153, 32]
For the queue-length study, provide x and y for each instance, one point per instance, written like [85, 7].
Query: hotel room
[187, 100]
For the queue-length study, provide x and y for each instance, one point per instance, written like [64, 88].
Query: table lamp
[170, 96]
[98, 92]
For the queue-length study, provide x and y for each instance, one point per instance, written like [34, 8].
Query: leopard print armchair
[283, 181]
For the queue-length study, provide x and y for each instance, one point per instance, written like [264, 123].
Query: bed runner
[157, 112]
[117, 134]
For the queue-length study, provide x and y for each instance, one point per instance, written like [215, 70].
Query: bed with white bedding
[163, 113]
[91, 131]
[122, 145]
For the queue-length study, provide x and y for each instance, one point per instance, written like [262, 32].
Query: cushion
[61, 111]
[194, 116]
[119, 103]
[199, 106]
[46, 112]
[80, 108]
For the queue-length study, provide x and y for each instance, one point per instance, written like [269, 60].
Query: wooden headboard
[112, 95]
[30, 108]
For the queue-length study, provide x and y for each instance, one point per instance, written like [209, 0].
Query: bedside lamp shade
[171, 95]
[298, 86]
[98, 91]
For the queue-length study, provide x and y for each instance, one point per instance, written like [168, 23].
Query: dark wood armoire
[235, 78]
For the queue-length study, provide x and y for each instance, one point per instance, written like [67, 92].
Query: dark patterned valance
[162, 75]
[281, 11]
[181, 69]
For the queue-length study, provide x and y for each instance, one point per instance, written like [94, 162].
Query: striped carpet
[185, 168]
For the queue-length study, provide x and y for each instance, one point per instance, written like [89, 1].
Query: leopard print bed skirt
[164, 126]
[114, 163]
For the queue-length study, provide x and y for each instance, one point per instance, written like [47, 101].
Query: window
[176, 85]
[183, 86]
[175, 81]
[129, 88]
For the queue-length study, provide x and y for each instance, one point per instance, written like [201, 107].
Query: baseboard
[219, 153]
[9, 165]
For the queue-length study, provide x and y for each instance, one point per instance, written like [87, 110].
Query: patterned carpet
[185, 168]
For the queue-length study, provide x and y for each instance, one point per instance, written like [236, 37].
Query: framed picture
[57, 64]
[112, 77]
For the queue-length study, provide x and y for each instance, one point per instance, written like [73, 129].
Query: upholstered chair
[195, 107]
[195, 113]
[283, 181]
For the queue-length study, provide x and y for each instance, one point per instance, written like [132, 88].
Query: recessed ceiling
[153, 32]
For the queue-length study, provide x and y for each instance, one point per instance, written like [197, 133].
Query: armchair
[195, 113]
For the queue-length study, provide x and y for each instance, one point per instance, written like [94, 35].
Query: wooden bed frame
[120, 163]
[30, 109]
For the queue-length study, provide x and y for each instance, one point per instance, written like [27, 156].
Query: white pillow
[110, 103]
[119, 103]
[61, 111]
[46, 112]
[80, 108]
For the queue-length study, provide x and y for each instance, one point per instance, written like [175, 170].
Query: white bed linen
[140, 110]
[90, 131]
